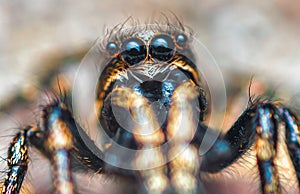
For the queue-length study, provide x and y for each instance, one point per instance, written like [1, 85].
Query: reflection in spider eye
[133, 51]
[112, 48]
[181, 40]
[162, 47]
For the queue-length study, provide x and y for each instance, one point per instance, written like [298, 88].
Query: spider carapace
[151, 104]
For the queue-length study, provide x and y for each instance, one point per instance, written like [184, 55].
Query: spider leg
[80, 153]
[58, 141]
[292, 138]
[266, 144]
[184, 158]
[148, 135]
[17, 160]
[64, 143]
[180, 174]
[258, 124]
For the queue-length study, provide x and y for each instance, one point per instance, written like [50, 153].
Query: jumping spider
[150, 101]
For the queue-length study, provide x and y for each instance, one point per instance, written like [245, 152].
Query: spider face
[152, 64]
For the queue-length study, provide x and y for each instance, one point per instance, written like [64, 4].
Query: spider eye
[181, 40]
[133, 51]
[112, 48]
[162, 47]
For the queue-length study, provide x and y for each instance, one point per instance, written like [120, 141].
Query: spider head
[151, 63]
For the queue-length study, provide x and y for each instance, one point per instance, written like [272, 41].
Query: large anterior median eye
[162, 47]
[133, 51]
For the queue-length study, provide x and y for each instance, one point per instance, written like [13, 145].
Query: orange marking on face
[111, 75]
[185, 66]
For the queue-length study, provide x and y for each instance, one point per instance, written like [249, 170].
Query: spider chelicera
[150, 101]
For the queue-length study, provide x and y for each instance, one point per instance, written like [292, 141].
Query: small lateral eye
[133, 51]
[181, 40]
[112, 48]
[162, 47]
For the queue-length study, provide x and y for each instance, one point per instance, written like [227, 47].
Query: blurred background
[256, 37]
[259, 38]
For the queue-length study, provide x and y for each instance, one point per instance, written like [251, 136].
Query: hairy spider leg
[64, 145]
[258, 124]
[80, 153]
[184, 158]
[148, 134]
[58, 142]
[17, 160]
[266, 147]
[57, 137]
[292, 138]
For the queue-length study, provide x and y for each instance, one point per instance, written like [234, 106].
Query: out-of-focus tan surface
[258, 38]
